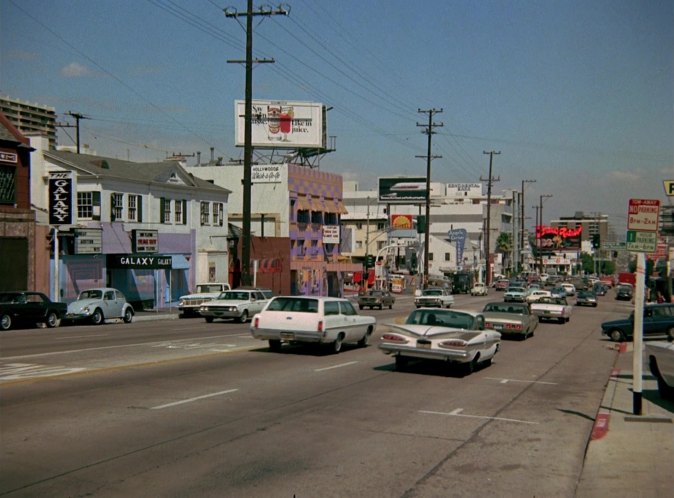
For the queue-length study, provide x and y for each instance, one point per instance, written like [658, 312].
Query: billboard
[282, 124]
[553, 239]
[61, 198]
[402, 190]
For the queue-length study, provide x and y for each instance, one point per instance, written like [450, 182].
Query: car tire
[670, 334]
[381, 307]
[5, 322]
[97, 317]
[244, 317]
[128, 316]
[209, 319]
[390, 306]
[365, 339]
[336, 345]
[616, 335]
[665, 390]
[52, 320]
[470, 367]
[360, 307]
[275, 345]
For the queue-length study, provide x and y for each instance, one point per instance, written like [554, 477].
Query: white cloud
[75, 70]
[624, 176]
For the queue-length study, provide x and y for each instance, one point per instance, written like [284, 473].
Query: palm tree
[504, 245]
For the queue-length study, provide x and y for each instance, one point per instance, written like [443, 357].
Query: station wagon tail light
[321, 326]
[394, 338]
[488, 325]
[256, 322]
[453, 344]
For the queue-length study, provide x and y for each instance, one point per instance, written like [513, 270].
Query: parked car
[189, 304]
[376, 299]
[330, 321]
[515, 294]
[434, 297]
[239, 304]
[624, 292]
[453, 336]
[660, 356]
[586, 298]
[510, 318]
[552, 308]
[558, 292]
[98, 305]
[658, 322]
[479, 289]
[29, 308]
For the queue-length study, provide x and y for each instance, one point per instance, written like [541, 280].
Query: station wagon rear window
[295, 304]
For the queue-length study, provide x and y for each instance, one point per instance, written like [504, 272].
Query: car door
[657, 320]
[111, 304]
[354, 327]
[257, 302]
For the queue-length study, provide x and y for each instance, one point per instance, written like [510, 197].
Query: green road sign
[641, 241]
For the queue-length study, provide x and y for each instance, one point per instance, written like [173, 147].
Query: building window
[218, 213]
[205, 213]
[359, 244]
[447, 257]
[7, 184]
[381, 226]
[166, 211]
[359, 226]
[135, 208]
[179, 211]
[85, 205]
[430, 256]
[117, 207]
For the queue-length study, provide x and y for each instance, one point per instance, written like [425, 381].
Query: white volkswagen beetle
[98, 305]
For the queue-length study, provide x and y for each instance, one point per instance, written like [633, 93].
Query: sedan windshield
[91, 294]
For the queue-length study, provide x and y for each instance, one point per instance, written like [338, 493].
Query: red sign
[643, 215]
[401, 222]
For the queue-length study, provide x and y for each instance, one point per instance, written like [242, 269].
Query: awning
[335, 207]
[317, 205]
[342, 208]
[303, 204]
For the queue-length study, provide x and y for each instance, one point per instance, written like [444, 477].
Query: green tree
[587, 262]
[504, 245]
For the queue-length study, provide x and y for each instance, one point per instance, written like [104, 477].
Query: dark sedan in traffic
[658, 322]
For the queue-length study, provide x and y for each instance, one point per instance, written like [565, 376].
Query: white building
[152, 230]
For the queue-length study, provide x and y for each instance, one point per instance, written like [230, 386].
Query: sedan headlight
[86, 310]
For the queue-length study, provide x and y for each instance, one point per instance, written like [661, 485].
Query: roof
[10, 133]
[164, 172]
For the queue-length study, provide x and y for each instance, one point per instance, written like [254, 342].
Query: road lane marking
[336, 366]
[16, 371]
[89, 336]
[100, 348]
[505, 381]
[457, 413]
[190, 400]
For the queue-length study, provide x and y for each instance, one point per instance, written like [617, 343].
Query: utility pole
[428, 130]
[367, 245]
[77, 117]
[522, 220]
[489, 181]
[540, 212]
[248, 129]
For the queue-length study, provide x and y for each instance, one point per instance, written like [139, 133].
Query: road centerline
[191, 400]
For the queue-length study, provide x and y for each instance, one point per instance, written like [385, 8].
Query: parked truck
[462, 282]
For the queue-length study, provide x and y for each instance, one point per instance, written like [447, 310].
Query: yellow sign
[669, 187]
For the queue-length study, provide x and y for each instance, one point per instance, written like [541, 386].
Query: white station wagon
[322, 320]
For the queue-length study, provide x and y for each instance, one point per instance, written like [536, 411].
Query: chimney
[198, 158]
[212, 154]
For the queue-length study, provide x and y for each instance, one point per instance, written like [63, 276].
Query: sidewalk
[630, 455]
[158, 314]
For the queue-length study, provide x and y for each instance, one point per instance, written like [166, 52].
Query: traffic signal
[596, 241]
[369, 261]
[421, 224]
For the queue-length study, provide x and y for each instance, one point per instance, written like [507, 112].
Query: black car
[658, 322]
[586, 298]
[624, 293]
[29, 308]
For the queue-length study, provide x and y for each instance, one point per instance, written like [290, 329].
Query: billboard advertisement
[402, 190]
[282, 124]
[553, 239]
[61, 198]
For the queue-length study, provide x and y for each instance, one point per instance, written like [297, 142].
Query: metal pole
[56, 296]
[637, 360]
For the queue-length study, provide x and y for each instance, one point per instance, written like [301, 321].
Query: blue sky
[576, 94]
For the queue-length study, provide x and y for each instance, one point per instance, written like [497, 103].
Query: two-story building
[302, 204]
[152, 230]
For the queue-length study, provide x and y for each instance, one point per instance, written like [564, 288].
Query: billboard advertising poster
[282, 124]
[402, 190]
[458, 236]
[552, 239]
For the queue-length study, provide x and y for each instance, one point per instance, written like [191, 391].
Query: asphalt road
[185, 408]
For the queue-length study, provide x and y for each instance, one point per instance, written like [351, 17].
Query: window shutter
[96, 202]
[162, 205]
[184, 212]
[112, 207]
[139, 208]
